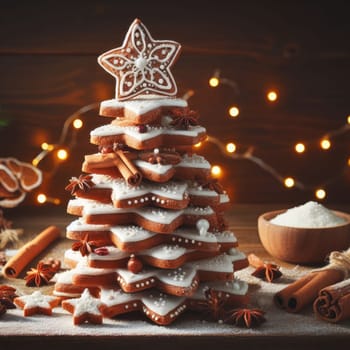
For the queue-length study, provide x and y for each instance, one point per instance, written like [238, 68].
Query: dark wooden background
[48, 70]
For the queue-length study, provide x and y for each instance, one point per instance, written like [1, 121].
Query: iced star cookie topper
[141, 65]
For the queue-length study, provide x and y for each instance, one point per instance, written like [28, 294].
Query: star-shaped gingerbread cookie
[37, 303]
[84, 309]
[162, 308]
[141, 65]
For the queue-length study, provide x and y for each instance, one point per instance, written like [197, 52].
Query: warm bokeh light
[230, 147]
[348, 119]
[299, 147]
[233, 111]
[216, 170]
[62, 154]
[197, 145]
[41, 198]
[55, 201]
[188, 94]
[320, 193]
[214, 82]
[46, 146]
[349, 161]
[289, 182]
[77, 123]
[272, 95]
[325, 144]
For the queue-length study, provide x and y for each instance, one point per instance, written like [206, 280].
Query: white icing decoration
[142, 106]
[64, 277]
[152, 131]
[36, 299]
[130, 277]
[161, 303]
[157, 302]
[111, 297]
[196, 190]
[131, 233]
[235, 287]
[194, 161]
[172, 190]
[80, 225]
[203, 226]
[180, 277]
[74, 255]
[225, 237]
[85, 304]
[224, 198]
[157, 215]
[165, 252]
[235, 255]
[156, 168]
[114, 253]
[220, 263]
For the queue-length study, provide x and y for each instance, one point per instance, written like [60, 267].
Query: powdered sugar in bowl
[305, 234]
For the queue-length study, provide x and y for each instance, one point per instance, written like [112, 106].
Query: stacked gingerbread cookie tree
[150, 234]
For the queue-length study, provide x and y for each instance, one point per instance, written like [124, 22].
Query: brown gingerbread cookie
[180, 281]
[16, 179]
[132, 238]
[176, 167]
[65, 289]
[163, 309]
[154, 219]
[145, 137]
[142, 111]
[141, 65]
[85, 309]
[36, 303]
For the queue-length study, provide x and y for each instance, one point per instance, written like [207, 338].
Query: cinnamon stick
[118, 159]
[128, 170]
[30, 251]
[333, 302]
[305, 290]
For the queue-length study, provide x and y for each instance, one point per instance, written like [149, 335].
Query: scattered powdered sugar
[308, 215]
[279, 323]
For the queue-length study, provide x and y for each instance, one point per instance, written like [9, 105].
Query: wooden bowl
[308, 246]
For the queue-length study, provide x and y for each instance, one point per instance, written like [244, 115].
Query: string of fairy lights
[74, 123]
[230, 149]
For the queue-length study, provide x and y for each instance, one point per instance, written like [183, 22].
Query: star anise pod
[246, 317]
[214, 305]
[184, 119]
[160, 157]
[40, 275]
[83, 183]
[264, 270]
[7, 294]
[85, 246]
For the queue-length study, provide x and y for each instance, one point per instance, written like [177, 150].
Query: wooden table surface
[282, 330]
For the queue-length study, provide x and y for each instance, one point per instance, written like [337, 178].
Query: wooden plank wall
[48, 70]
